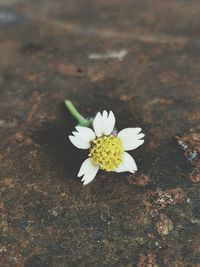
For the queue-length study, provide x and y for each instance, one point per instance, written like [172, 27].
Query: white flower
[107, 150]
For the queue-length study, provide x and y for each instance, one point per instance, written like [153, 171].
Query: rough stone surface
[164, 226]
[140, 59]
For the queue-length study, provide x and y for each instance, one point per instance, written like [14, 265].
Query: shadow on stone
[52, 136]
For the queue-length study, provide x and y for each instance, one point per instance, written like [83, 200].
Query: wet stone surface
[140, 60]
[7, 17]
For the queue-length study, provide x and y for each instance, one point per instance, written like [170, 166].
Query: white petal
[105, 115]
[97, 124]
[104, 124]
[84, 167]
[108, 123]
[121, 168]
[82, 137]
[86, 133]
[89, 170]
[128, 164]
[131, 138]
[78, 142]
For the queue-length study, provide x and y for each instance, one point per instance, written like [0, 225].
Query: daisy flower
[107, 149]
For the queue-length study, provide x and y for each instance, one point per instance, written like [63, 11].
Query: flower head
[107, 149]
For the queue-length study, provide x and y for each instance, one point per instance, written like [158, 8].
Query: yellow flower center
[107, 152]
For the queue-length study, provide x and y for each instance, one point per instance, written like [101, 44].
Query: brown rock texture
[190, 144]
[164, 225]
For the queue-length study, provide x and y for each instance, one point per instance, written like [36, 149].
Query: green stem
[74, 112]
